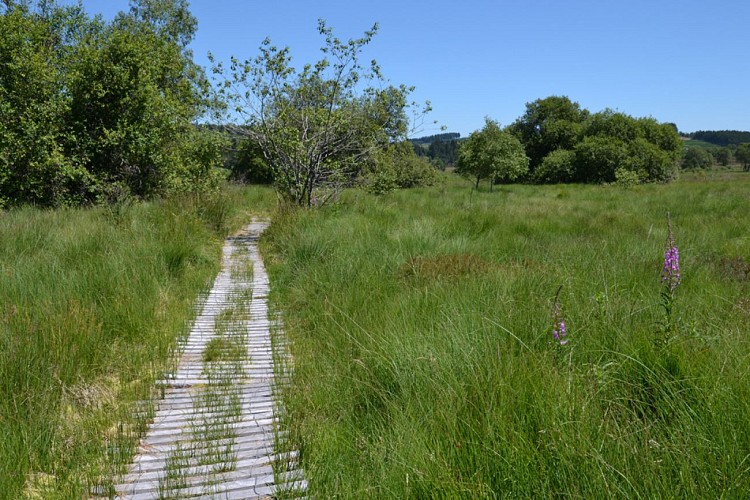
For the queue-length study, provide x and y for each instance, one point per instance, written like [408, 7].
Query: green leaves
[566, 143]
[93, 110]
[319, 126]
[492, 153]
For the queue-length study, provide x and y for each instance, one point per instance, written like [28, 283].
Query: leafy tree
[722, 155]
[249, 165]
[613, 141]
[134, 94]
[91, 110]
[696, 158]
[493, 154]
[742, 155]
[557, 167]
[33, 165]
[319, 126]
[598, 158]
[397, 166]
[548, 124]
[648, 162]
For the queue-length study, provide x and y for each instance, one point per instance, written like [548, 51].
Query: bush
[397, 166]
[557, 167]
[413, 171]
[649, 162]
[598, 158]
[247, 164]
[696, 158]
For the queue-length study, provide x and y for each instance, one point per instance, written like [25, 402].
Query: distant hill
[442, 149]
[429, 139]
[721, 137]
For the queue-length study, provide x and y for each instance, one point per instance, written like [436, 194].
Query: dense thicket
[566, 143]
[91, 111]
[721, 137]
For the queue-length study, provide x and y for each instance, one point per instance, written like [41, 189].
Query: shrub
[598, 158]
[557, 167]
[694, 158]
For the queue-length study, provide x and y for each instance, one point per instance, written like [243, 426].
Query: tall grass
[425, 366]
[91, 305]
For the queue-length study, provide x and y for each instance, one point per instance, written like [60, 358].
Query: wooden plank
[239, 406]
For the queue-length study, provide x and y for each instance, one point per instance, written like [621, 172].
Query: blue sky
[677, 61]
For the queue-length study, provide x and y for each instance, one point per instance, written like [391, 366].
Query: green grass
[700, 144]
[91, 305]
[420, 324]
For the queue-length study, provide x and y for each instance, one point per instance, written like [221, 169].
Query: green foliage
[598, 157]
[556, 167]
[614, 140]
[318, 126]
[33, 164]
[492, 154]
[602, 142]
[547, 125]
[721, 137]
[397, 166]
[722, 156]
[626, 178]
[696, 158]
[742, 155]
[92, 111]
[441, 149]
[249, 166]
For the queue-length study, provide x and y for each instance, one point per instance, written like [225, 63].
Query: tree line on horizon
[721, 137]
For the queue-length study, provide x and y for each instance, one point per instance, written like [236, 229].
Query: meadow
[425, 365]
[92, 302]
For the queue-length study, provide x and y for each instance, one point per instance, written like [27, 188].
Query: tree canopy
[548, 124]
[566, 143]
[318, 126]
[91, 111]
[721, 137]
[742, 155]
[493, 154]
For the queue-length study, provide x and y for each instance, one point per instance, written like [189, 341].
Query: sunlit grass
[92, 303]
[421, 328]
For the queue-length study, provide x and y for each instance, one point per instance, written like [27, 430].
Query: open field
[92, 302]
[421, 325]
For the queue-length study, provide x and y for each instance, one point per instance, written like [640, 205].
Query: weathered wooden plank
[220, 411]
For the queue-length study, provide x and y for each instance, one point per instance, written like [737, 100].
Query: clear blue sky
[678, 61]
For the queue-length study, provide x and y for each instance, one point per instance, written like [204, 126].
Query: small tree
[317, 127]
[696, 158]
[493, 154]
[548, 124]
[722, 156]
[742, 155]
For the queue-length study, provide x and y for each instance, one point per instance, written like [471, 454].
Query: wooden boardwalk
[214, 433]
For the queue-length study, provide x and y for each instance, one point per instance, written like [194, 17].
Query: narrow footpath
[214, 432]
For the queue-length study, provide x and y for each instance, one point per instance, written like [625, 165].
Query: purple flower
[670, 273]
[559, 332]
